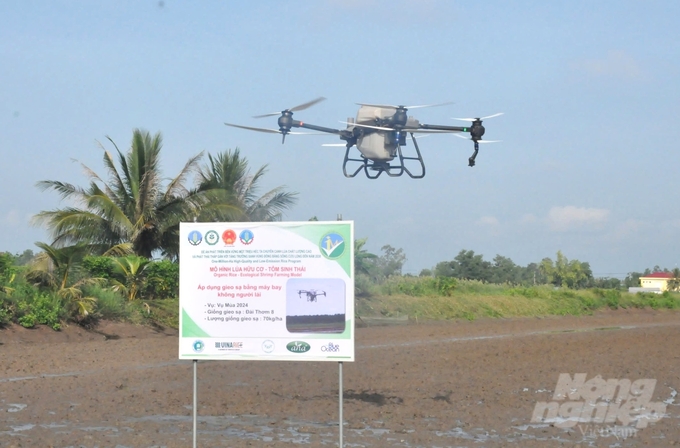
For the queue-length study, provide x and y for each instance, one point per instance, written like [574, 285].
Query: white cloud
[569, 217]
[488, 221]
[615, 64]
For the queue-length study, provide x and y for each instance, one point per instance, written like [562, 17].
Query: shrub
[98, 266]
[162, 280]
[42, 308]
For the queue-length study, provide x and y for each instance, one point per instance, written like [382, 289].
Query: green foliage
[129, 275]
[110, 305]
[566, 273]
[612, 297]
[42, 308]
[98, 266]
[6, 264]
[363, 286]
[364, 261]
[419, 286]
[162, 280]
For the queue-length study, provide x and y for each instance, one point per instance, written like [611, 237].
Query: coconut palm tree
[136, 212]
[129, 275]
[54, 269]
[226, 180]
[133, 211]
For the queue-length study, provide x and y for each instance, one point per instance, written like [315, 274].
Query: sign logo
[231, 346]
[195, 237]
[330, 347]
[332, 245]
[229, 236]
[268, 346]
[198, 346]
[246, 236]
[298, 347]
[211, 237]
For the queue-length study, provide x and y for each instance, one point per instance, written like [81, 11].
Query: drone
[311, 294]
[378, 133]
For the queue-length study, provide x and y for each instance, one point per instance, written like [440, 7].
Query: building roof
[658, 275]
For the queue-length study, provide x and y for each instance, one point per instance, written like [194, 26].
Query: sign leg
[340, 401]
[195, 406]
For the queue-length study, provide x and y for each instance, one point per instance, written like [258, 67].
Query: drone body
[378, 133]
[311, 294]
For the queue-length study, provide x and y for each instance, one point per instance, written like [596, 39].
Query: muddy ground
[435, 384]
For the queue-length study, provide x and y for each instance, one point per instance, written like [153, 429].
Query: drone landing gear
[471, 160]
[373, 169]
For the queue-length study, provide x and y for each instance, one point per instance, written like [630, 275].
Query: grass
[473, 300]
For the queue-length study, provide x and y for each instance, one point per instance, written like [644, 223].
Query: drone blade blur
[334, 144]
[429, 105]
[480, 141]
[270, 131]
[491, 116]
[391, 106]
[382, 106]
[478, 118]
[307, 104]
[273, 114]
[368, 126]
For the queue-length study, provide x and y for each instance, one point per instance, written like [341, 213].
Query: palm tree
[674, 280]
[129, 275]
[226, 181]
[54, 267]
[136, 212]
[364, 261]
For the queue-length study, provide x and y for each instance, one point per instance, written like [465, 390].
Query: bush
[98, 266]
[110, 304]
[162, 280]
[42, 308]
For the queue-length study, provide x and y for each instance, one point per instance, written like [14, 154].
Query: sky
[588, 163]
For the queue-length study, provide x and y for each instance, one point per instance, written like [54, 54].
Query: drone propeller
[334, 144]
[269, 131]
[479, 141]
[368, 126]
[389, 106]
[293, 109]
[478, 119]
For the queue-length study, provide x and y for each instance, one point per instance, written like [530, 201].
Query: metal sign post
[195, 406]
[340, 400]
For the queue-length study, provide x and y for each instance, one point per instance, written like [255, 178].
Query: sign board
[267, 291]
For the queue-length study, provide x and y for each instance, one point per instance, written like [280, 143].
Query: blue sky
[587, 164]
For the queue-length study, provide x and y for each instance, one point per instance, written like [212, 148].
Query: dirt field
[442, 384]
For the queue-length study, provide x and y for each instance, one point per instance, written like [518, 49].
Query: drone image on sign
[378, 133]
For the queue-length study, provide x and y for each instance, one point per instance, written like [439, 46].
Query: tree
[55, 268]
[233, 191]
[390, 262]
[137, 212]
[24, 258]
[133, 211]
[467, 265]
[504, 270]
[566, 273]
[129, 275]
[674, 281]
[364, 261]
